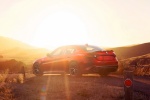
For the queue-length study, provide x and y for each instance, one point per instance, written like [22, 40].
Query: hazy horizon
[52, 48]
[50, 23]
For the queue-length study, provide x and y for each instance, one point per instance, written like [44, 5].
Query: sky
[51, 23]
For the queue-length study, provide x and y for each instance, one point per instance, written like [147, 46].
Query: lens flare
[43, 93]
[67, 89]
[44, 90]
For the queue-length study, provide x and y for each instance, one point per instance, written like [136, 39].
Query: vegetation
[12, 66]
[6, 82]
[140, 65]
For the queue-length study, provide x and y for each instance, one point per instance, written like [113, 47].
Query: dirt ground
[57, 87]
[87, 87]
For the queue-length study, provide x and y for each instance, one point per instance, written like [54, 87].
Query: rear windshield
[90, 48]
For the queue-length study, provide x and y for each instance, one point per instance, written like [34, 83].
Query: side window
[93, 48]
[70, 50]
[57, 52]
[89, 48]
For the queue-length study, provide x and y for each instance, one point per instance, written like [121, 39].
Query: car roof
[80, 46]
[77, 45]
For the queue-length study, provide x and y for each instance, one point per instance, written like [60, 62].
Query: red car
[77, 60]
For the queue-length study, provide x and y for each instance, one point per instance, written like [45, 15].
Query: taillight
[100, 58]
[105, 58]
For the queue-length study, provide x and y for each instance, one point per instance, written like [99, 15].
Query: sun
[60, 28]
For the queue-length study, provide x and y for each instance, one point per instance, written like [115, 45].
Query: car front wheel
[36, 70]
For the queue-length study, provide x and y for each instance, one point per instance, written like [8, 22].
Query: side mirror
[48, 55]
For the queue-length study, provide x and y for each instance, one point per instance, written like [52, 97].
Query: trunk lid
[107, 55]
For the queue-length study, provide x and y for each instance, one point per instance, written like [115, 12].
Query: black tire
[74, 69]
[36, 70]
[63, 74]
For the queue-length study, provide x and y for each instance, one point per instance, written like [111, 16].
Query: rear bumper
[104, 68]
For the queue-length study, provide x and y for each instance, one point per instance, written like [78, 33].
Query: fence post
[23, 72]
[128, 84]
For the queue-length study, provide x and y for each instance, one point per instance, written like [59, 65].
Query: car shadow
[107, 80]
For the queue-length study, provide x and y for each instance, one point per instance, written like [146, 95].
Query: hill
[132, 51]
[8, 43]
[13, 49]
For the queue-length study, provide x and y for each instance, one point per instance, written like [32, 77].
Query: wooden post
[128, 84]
[23, 72]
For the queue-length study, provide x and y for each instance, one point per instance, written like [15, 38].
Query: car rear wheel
[74, 69]
[63, 74]
[36, 70]
[103, 73]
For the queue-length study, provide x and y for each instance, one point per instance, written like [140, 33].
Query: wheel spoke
[37, 71]
[73, 71]
[73, 68]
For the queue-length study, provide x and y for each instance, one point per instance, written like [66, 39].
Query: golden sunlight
[60, 28]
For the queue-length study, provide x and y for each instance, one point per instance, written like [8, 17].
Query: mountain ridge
[9, 43]
[12, 47]
[132, 51]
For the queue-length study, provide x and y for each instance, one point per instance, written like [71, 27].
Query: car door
[65, 57]
[50, 64]
[69, 54]
[59, 60]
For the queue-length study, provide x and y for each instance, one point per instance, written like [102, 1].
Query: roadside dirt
[87, 87]
[140, 83]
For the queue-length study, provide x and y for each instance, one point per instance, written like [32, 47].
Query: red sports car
[77, 60]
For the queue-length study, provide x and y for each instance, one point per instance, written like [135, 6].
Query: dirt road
[88, 87]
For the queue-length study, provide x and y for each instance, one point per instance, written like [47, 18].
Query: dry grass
[6, 92]
[6, 81]
[140, 65]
